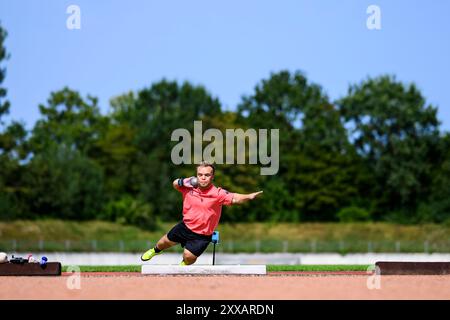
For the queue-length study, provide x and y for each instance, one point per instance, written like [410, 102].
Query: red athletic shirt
[202, 208]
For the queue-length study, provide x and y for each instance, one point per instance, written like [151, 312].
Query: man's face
[204, 176]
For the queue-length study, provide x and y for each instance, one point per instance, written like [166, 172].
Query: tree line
[376, 154]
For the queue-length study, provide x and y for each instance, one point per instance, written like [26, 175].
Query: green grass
[128, 268]
[101, 236]
[319, 267]
[60, 230]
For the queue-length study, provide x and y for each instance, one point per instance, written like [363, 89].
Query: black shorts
[194, 242]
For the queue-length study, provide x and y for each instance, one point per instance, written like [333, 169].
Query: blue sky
[227, 46]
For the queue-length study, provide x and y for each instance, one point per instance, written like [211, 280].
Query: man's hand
[254, 194]
[241, 198]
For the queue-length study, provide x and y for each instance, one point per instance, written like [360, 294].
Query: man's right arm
[185, 182]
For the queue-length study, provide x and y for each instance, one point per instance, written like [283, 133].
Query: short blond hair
[206, 164]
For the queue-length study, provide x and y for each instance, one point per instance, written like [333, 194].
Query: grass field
[59, 230]
[137, 268]
[102, 236]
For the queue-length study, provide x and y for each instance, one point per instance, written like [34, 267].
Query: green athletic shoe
[149, 254]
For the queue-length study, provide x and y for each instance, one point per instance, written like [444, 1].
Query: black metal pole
[214, 253]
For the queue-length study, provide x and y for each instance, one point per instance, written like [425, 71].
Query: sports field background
[364, 148]
[101, 236]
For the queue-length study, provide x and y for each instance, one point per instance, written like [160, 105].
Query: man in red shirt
[202, 207]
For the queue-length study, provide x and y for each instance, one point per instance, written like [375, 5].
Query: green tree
[68, 120]
[396, 132]
[65, 184]
[63, 180]
[116, 152]
[12, 150]
[437, 207]
[315, 156]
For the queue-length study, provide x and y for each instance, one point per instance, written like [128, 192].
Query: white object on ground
[203, 269]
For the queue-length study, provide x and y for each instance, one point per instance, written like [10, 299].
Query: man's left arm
[241, 198]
